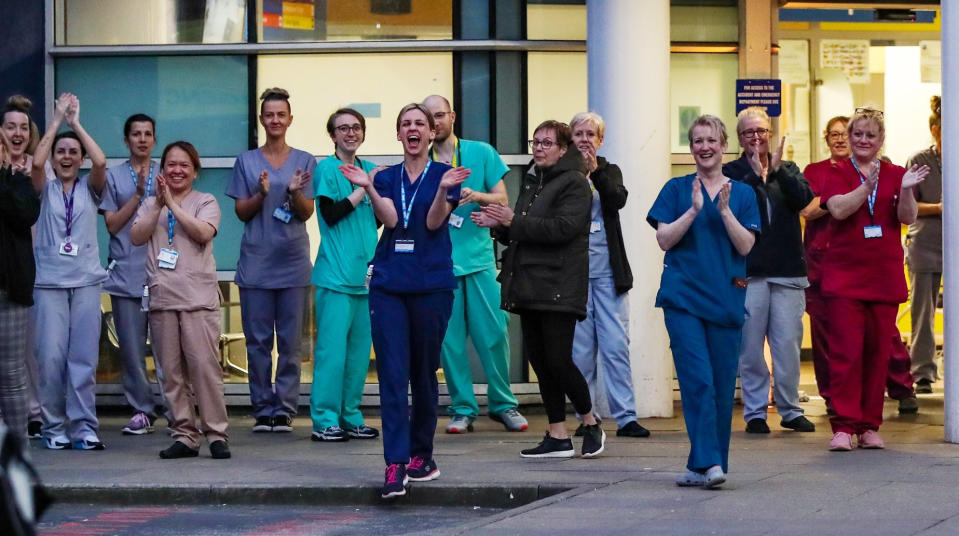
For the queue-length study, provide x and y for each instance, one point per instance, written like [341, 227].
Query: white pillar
[627, 50]
[950, 213]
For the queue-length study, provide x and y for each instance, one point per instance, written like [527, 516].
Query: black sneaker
[395, 482]
[908, 406]
[420, 469]
[757, 426]
[632, 429]
[330, 433]
[219, 450]
[281, 423]
[594, 441]
[363, 432]
[799, 424]
[178, 450]
[263, 424]
[551, 447]
[581, 429]
[33, 429]
[923, 387]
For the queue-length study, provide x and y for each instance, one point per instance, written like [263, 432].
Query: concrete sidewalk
[782, 483]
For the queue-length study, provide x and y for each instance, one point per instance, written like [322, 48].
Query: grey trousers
[924, 294]
[775, 312]
[131, 324]
[68, 348]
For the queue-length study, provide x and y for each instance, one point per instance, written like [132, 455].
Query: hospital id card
[403, 246]
[456, 220]
[283, 215]
[595, 226]
[167, 258]
[872, 231]
[68, 249]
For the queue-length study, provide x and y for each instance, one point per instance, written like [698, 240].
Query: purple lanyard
[68, 206]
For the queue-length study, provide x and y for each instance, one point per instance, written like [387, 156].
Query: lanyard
[68, 207]
[170, 223]
[408, 209]
[456, 152]
[133, 176]
[871, 200]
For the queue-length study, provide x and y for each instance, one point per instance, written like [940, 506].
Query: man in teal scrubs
[476, 311]
[348, 240]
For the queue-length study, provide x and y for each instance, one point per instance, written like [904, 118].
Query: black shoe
[219, 450]
[581, 429]
[263, 424]
[799, 424]
[908, 406]
[757, 426]
[551, 447]
[594, 441]
[632, 429]
[282, 423]
[363, 432]
[178, 450]
[33, 429]
[394, 484]
[923, 387]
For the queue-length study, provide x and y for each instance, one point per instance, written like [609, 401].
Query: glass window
[353, 20]
[704, 23]
[153, 22]
[557, 86]
[556, 21]
[377, 85]
[689, 75]
[201, 99]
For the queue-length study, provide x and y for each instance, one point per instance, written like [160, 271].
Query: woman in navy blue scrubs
[705, 223]
[411, 293]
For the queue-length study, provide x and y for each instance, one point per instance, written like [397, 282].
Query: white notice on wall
[850, 56]
[930, 64]
[794, 61]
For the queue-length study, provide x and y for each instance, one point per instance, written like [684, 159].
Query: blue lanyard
[68, 208]
[133, 176]
[871, 200]
[170, 223]
[409, 209]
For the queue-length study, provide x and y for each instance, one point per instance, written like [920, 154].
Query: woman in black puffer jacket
[544, 279]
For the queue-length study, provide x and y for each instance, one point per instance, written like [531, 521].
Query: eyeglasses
[546, 144]
[754, 132]
[346, 129]
[869, 112]
[832, 136]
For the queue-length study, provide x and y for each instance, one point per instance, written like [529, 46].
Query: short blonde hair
[752, 111]
[592, 117]
[711, 121]
[867, 113]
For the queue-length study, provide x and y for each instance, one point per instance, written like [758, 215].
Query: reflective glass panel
[559, 21]
[702, 84]
[557, 86]
[149, 22]
[707, 23]
[354, 20]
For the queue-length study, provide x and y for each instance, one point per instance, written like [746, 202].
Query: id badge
[456, 220]
[369, 276]
[283, 215]
[595, 226]
[872, 231]
[167, 258]
[403, 246]
[68, 249]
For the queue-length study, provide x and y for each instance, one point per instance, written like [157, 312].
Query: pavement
[782, 483]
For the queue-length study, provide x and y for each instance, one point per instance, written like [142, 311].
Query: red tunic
[816, 236]
[867, 269]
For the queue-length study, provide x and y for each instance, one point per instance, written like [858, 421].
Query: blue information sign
[765, 93]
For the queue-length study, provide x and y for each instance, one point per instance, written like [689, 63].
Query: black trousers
[548, 338]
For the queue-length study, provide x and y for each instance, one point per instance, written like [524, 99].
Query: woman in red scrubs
[862, 276]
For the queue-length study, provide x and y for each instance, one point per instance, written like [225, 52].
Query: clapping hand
[454, 177]
[497, 214]
[264, 182]
[589, 155]
[356, 175]
[723, 201]
[161, 191]
[697, 197]
[914, 176]
[142, 180]
[776, 158]
[72, 112]
[298, 181]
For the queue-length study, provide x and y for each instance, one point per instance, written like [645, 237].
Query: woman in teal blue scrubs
[705, 223]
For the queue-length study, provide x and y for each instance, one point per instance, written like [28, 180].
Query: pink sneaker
[870, 440]
[841, 442]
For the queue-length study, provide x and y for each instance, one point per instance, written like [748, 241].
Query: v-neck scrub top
[699, 270]
[856, 267]
[129, 274]
[63, 271]
[430, 267]
[347, 247]
[273, 254]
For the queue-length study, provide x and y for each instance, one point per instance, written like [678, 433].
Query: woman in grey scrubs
[69, 276]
